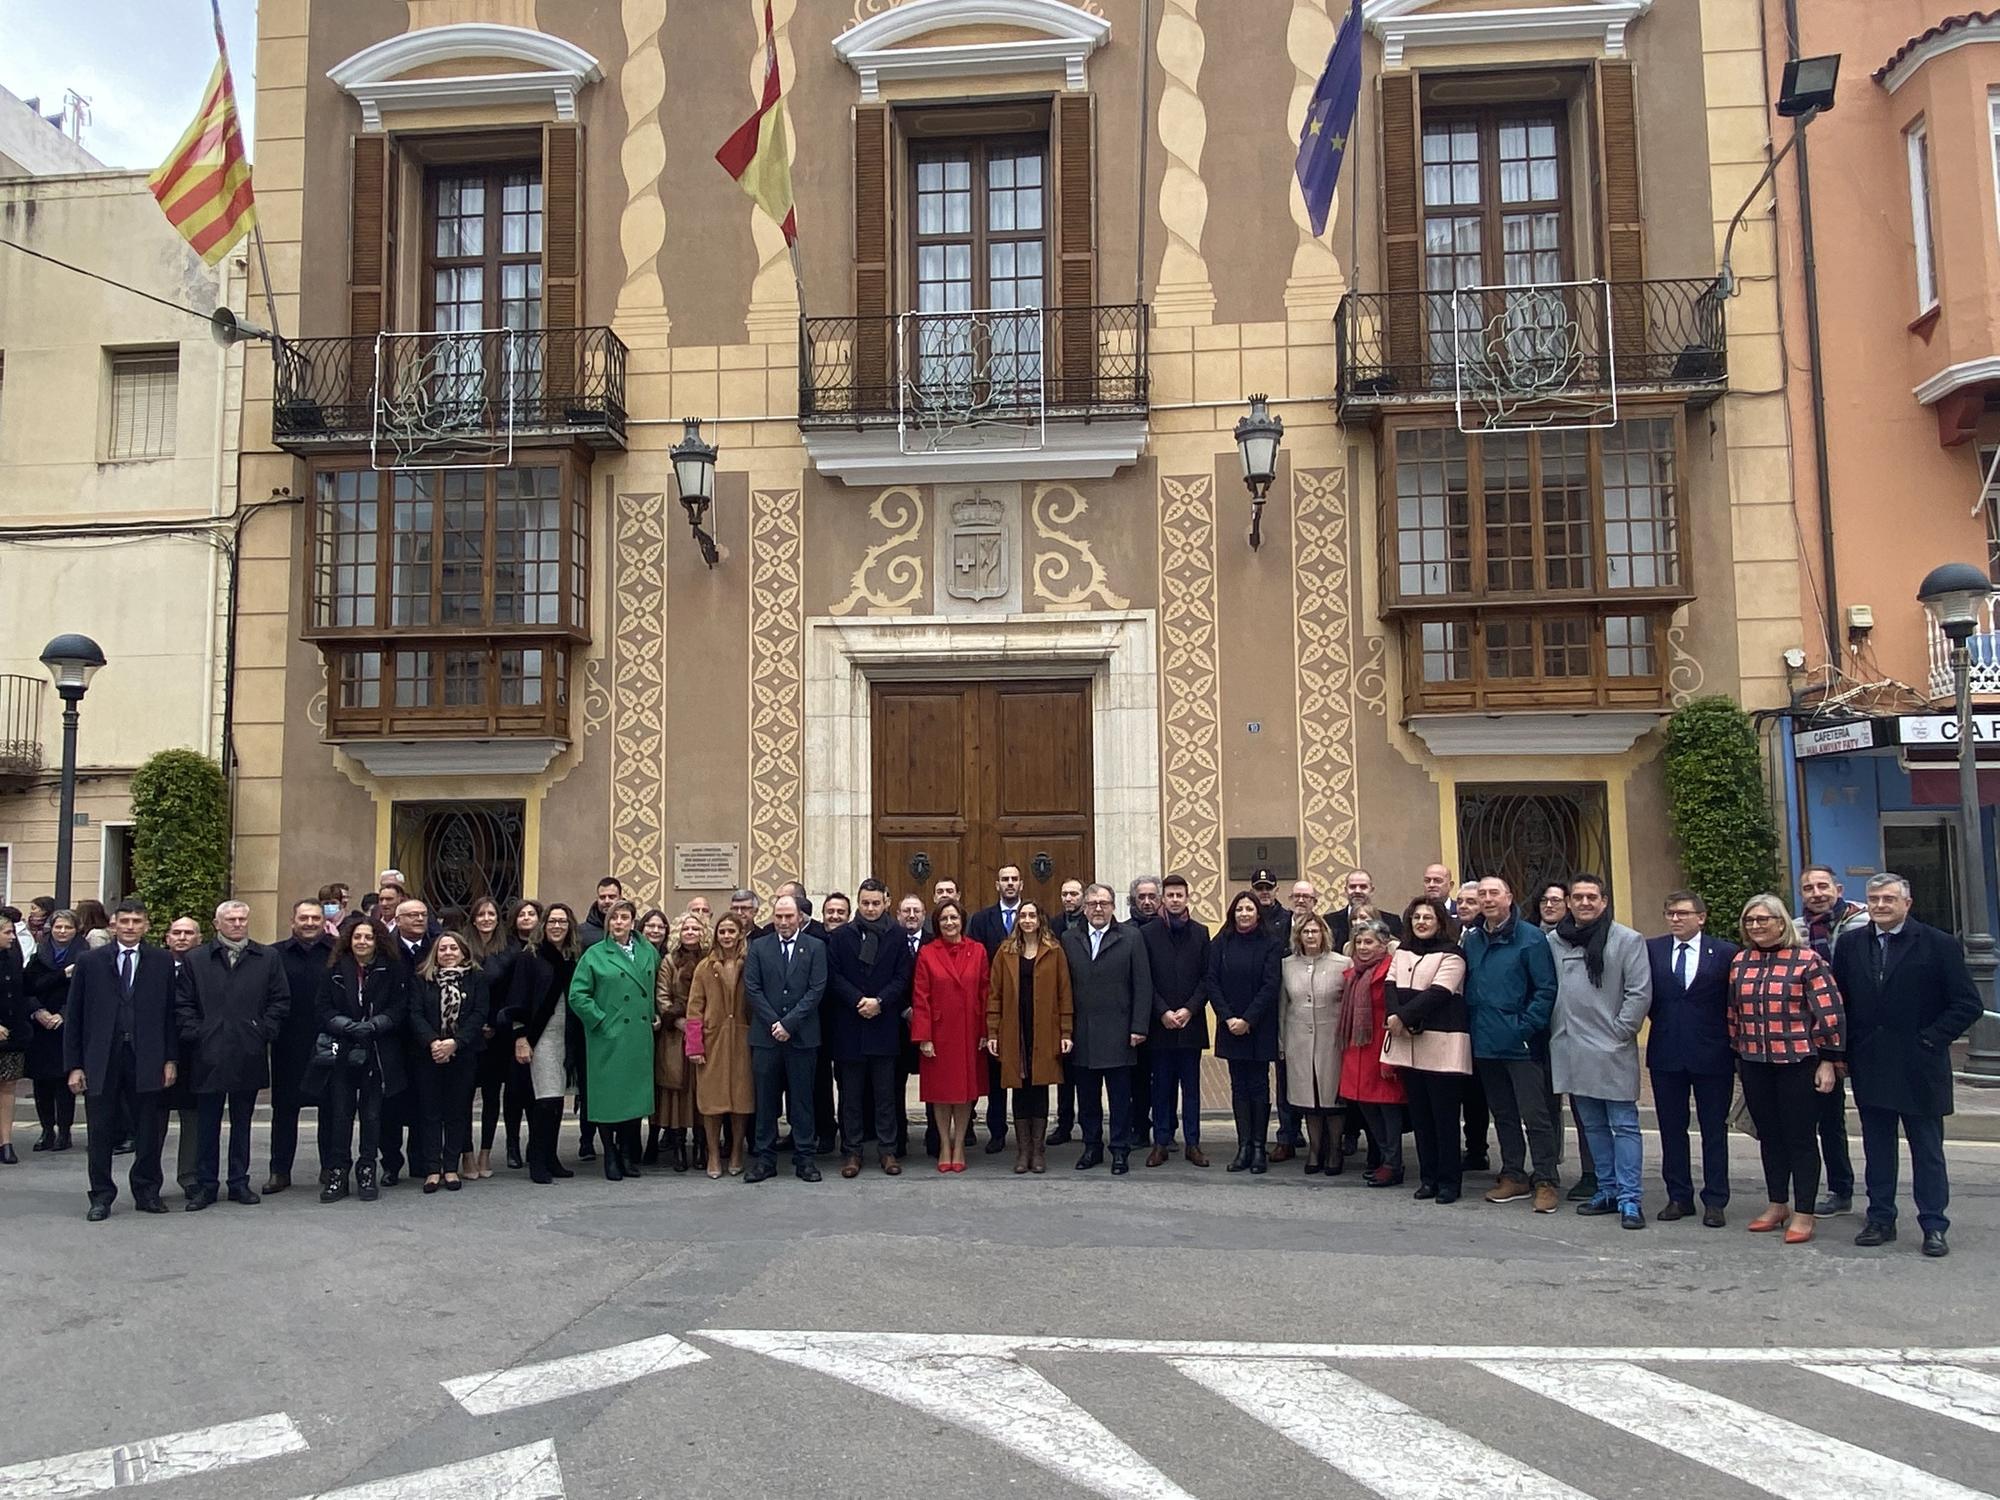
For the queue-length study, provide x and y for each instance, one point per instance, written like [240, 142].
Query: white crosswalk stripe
[1949, 1390]
[572, 1375]
[1780, 1457]
[178, 1455]
[528, 1473]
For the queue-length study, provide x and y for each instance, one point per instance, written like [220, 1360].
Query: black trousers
[1435, 1101]
[1833, 1148]
[1385, 1131]
[779, 1073]
[1929, 1184]
[400, 1109]
[444, 1109]
[117, 1093]
[287, 1073]
[55, 1105]
[1066, 1098]
[1478, 1118]
[1711, 1093]
[1250, 1100]
[996, 1101]
[242, 1107]
[1092, 1085]
[1031, 1103]
[1176, 1089]
[496, 1063]
[1142, 1094]
[1291, 1130]
[1785, 1107]
[350, 1096]
[825, 1112]
[862, 1079]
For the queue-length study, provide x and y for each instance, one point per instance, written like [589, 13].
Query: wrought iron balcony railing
[20, 724]
[985, 365]
[1524, 346]
[422, 395]
[1982, 647]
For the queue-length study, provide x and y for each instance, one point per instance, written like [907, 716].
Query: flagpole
[256, 226]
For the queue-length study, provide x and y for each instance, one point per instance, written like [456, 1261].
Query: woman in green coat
[611, 993]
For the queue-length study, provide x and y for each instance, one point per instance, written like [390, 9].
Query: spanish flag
[204, 186]
[755, 155]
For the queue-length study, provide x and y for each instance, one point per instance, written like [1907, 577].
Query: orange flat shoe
[1765, 1223]
[1797, 1233]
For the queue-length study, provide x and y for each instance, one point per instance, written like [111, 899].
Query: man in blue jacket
[784, 978]
[1688, 1054]
[1510, 991]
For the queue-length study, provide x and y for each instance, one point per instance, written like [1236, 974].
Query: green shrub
[180, 837]
[1718, 808]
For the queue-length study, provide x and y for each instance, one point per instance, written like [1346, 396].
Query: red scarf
[1361, 1004]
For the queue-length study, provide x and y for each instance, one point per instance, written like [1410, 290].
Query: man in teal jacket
[1510, 991]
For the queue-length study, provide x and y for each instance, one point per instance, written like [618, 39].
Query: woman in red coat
[1367, 1083]
[948, 1024]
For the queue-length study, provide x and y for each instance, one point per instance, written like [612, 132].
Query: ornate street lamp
[1257, 439]
[1953, 594]
[694, 473]
[72, 661]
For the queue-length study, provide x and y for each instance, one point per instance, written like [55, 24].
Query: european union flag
[1330, 120]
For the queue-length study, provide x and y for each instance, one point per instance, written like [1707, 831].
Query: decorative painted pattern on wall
[1191, 687]
[777, 690]
[890, 579]
[641, 315]
[1059, 555]
[628, 687]
[1684, 673]
[1329, 810]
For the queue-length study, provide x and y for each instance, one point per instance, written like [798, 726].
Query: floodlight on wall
[1805, 95]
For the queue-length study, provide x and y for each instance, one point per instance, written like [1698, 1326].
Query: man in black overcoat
[119, 1045]
[232, 1007]
[304, 954]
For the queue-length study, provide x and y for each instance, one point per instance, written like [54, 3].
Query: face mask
[332, 910]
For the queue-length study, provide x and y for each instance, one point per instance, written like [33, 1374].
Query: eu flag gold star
[1313, 129]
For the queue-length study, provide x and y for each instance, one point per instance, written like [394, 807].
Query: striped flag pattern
[204, 185]
[755, 155]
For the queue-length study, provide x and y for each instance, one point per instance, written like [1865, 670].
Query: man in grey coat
[1604, 987]
[1111, 983]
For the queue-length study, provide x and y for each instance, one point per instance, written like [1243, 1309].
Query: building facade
[119, 421]
[983, 589]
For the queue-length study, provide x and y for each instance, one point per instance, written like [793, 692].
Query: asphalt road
[1176, 1332]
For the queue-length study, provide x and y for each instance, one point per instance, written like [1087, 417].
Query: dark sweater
[1180, 978]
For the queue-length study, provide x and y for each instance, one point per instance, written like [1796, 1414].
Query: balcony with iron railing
[21, 724]
[1532, 353]
[1982, 646]
[426, 397]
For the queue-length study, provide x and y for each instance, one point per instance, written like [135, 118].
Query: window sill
[1927, 320]
[1640, 601]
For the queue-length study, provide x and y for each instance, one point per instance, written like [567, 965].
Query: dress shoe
[1597, 1208]
[1631, 1217]
[1477, 1161]
[1384, 1177]
[1769, 1220]
[153, 1206]
[1675, 1211]
[1062, 1135]
[1425, 1193]
[1259, 1162]
[1121, 1163]
[98, 1213]
[996, 1143]
[431, 1185]
[1241, 1161]
[62, 1140]
[8, 1156]
[244, 1196]
[453, 1182]
[1798, 1232]
[1934, 1245]
[391, 1176]
[891, 1167]
[514, 1155]
[557, 1169]
[1313, 1168]
[364, 1183]
[47, 1140]
[1092, 1156]
[1446, 1195]
[335, 1186]
[277, 1182]
[944, 1169]
[759, 1171]
[1875, 1232]
[851, 1167]
[1194, 1157]
[1157, 1157]
[199, 1199]
[1712, 1218]
[1834, 1203]
[806, 1172]
[1585, 1189]
[1282, 1153]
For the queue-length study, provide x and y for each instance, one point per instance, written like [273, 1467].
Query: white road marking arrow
[153, 1461]
[572, 1375]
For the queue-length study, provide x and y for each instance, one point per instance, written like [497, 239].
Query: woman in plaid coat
[1788, 1030]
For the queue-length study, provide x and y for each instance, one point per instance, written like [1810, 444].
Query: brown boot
[1038, 1133]
[1023, 1151]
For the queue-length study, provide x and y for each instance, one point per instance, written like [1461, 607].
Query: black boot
[651, 1155]
[1241, 1160]
[585, 1151]
[628, 1147]
[678, 1154]
[1260, 1161]
[336, 1186]
[1244, 1125]
[700, 1153]
[364, 1182]
[614, 1168]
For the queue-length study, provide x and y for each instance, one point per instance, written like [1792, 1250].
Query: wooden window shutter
[1076, 224]
[1624, 229]
[370, 250]
[872, 262]
[1402, 222]
[562, 256]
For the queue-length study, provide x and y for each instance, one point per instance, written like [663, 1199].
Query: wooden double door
[970, 776]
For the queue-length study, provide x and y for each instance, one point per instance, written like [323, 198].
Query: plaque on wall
[705, 867]
[1280, 856]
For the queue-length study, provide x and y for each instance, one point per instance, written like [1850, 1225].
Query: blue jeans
[1612, 1128]
[1176, 1095]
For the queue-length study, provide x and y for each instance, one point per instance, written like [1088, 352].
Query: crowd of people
[687, 1038]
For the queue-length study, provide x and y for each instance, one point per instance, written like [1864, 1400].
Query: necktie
[1007, 919]
[1881, 954]
[788, 953]
[125, 969]
[1096, 940]
[1681, 965]
[914, 941]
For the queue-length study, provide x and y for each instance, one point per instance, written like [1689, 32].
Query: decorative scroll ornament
[1684, 673]
[890, 579]
[1066, 554]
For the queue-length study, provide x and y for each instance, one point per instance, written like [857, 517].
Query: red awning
[1940, 788]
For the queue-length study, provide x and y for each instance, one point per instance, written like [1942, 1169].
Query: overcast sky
[141, 64]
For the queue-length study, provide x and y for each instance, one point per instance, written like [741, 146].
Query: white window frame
[125, 362]
[1916, 147]
[104, 863]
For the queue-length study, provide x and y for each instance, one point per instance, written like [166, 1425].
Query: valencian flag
[1330, 120]
[204, 186]
[755, 155]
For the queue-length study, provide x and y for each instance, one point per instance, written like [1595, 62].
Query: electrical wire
[192, 312]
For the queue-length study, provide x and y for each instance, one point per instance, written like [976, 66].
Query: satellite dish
[226, 329]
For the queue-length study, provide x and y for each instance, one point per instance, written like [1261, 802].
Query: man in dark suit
[1177, 952]
[913, 930]
[1359, 889]
[1112, 986]
[231, 1009]
[1070, 894]
[1688, 1053]
[119, 1044]
[784, 978]
[868, 963]
[183, 937]
[1909, 996]
[410, 944]
[991, 926]
[304, 955]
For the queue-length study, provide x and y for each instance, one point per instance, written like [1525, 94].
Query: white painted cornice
[446, 757]
[1068, 35]
[1532, 733]
[1071, 450]
[1966, 32]
[560, 70]
[1403, 24]
[1956, 377]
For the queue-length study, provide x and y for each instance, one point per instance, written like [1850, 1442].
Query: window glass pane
[410, 550]
[1510, 647]
[520, 679]
[1628, 646]
[145, 404]
[1507, 513]
[1566, 510]
[1434, 540]
[360, 679]
[464, 679]
[1641, 505]
[1565, 646]
[1446, 646]
[462, 558]
[413, 679]
[344, 548]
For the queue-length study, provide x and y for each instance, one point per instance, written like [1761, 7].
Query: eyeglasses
[1682, 911]
[1100, 901]
[1762, 919]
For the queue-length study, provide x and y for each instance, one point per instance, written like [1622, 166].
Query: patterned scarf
[1361, 1003]
[451, 996]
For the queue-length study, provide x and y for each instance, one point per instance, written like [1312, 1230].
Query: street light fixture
[1953, 594]
[72, 660]
[1257, 439]
[694, 473]
[1805, 95]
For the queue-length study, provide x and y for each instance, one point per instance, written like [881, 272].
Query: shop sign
[1835, 739]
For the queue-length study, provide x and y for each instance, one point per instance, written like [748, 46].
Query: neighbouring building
[1897, 375]
[118, 426]
[983, 590]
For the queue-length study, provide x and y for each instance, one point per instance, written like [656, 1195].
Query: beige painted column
[1316, 285]
[1183, 293]
[641, 317]
[774, 295]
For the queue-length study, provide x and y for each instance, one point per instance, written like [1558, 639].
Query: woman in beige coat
[722, 1082]
[1309, 1029]
[673, 1074]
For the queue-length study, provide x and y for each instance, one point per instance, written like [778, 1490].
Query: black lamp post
[1953, 594]
[72, 661]
[694, 473]
[1257, 439]
[1805, 95]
